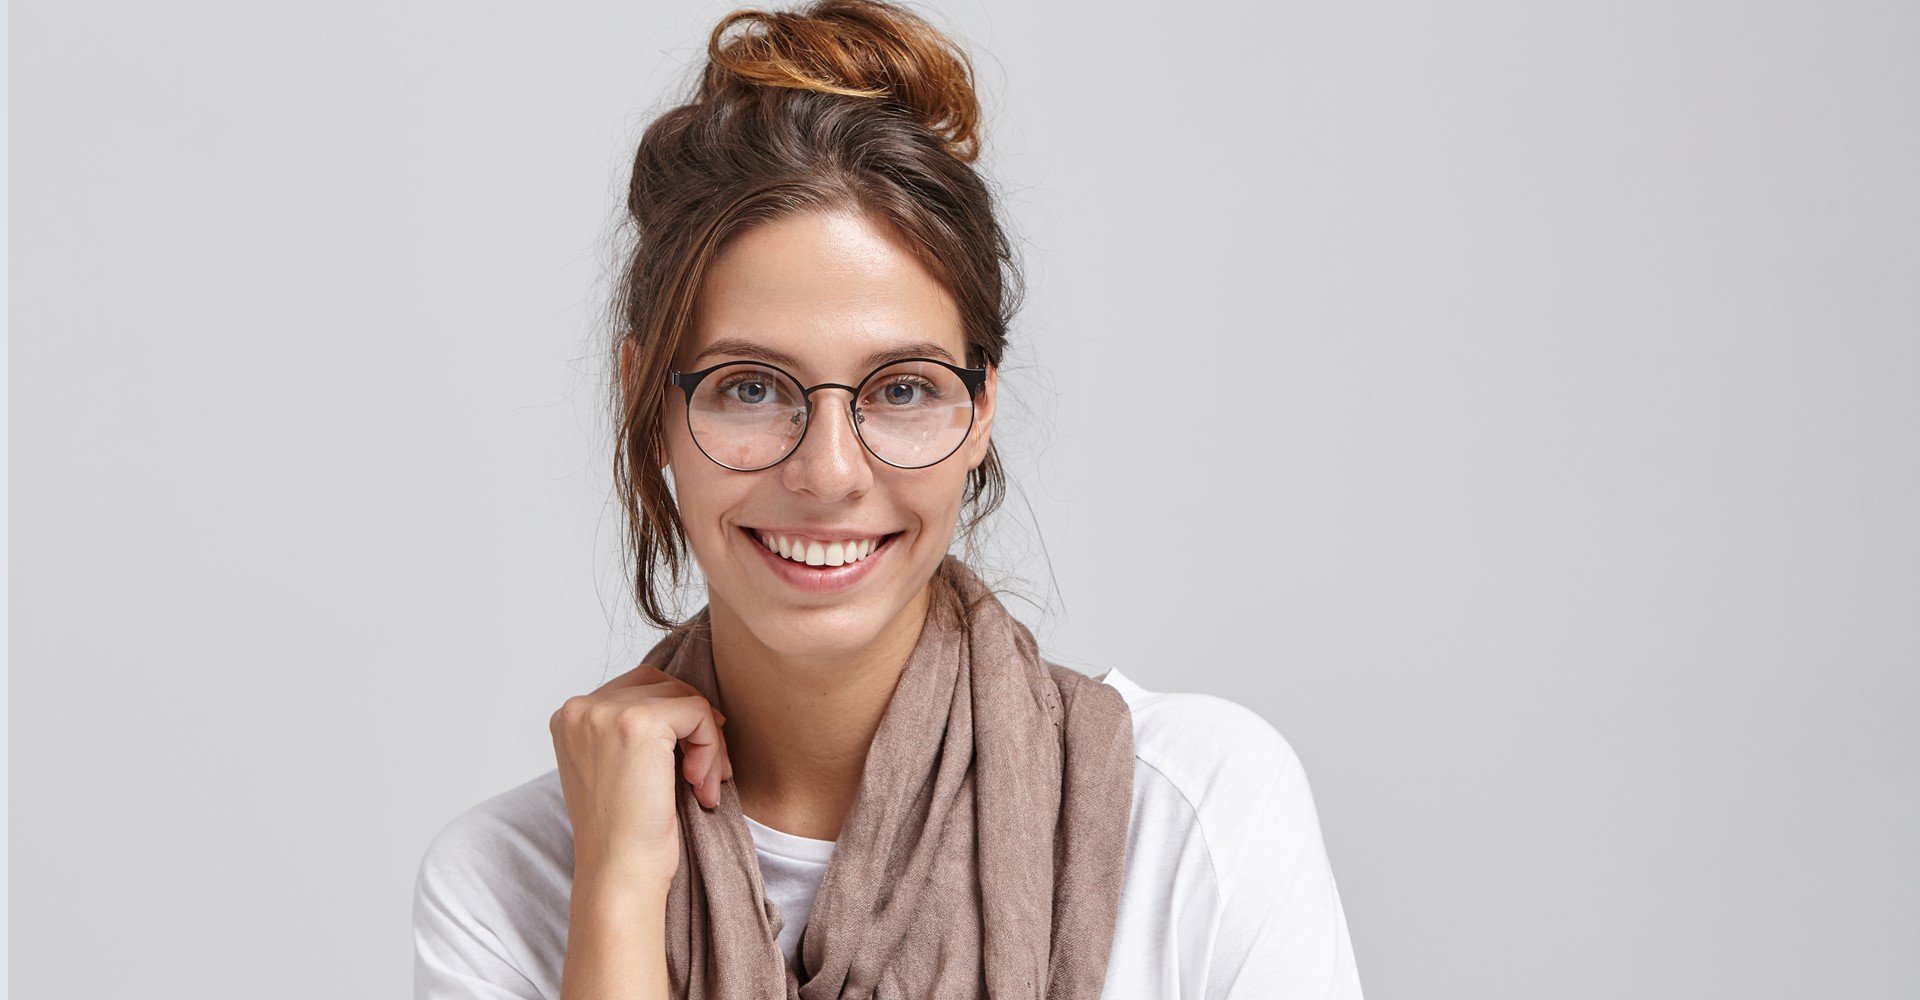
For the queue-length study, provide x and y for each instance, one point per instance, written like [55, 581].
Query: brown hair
[840, 104]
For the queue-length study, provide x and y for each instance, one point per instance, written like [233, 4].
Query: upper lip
[822, 535]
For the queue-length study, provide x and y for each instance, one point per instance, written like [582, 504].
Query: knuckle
[633, 723]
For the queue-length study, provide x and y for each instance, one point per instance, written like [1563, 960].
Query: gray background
[1515, 403]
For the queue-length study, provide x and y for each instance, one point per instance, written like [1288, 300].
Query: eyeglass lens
[910, 414]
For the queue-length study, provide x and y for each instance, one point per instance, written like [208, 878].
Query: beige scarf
[982, 856]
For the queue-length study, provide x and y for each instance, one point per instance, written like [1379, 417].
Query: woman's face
[828, 291]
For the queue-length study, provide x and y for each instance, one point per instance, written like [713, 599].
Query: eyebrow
[761, 352]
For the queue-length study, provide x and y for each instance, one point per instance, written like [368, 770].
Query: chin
[813, 633]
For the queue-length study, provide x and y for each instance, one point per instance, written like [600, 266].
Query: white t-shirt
[1227, 893]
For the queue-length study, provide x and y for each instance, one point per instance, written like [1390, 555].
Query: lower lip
[820, 579]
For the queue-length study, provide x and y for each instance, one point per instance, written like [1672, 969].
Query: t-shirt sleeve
[458, 953]
[1282, 933]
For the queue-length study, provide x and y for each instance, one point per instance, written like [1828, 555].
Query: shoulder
[1203, 734]
[490, 897]
[523, 828]
[1228, 893]
[1208, 746]
[1237, 777]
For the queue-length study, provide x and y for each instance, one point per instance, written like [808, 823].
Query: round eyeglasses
[750, 415]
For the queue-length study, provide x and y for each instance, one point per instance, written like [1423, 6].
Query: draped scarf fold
[983, 853]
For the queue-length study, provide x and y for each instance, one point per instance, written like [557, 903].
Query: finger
[694, 730]
[706, 757]
[693, 722]
[703, 766]
[721, 770]
[675, 721]
[645, 673]
[718, 767]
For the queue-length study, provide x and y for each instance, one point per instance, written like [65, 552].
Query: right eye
[748, 388]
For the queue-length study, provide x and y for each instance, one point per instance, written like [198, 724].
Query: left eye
[906, 392]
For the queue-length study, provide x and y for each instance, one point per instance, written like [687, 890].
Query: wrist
[614, 884]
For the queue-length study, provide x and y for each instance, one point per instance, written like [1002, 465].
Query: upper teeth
[813, 553]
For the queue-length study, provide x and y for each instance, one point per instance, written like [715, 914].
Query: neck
[798, 727]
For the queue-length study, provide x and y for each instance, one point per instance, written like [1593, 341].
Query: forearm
[616, 941]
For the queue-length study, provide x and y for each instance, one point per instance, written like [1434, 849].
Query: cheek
[702, 490]
[673, 430]
[934, 496]
[701, 494]
[695, 477]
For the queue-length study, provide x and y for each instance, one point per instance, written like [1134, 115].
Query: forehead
[826, 288]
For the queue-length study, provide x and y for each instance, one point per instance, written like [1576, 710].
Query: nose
[830, 463]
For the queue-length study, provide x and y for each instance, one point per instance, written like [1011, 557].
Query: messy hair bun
[837, 105]
[855, 48]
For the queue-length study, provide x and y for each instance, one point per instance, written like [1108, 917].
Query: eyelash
[922, 384]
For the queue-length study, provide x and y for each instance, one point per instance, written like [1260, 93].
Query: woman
[851, 773]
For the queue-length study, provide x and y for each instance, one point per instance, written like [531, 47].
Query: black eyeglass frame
[973, 378]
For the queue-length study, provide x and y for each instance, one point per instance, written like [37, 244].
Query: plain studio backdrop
[1517, 404]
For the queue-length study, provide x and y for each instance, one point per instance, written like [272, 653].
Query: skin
[803, 678]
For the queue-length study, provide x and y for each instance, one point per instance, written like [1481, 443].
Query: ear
[983, 409]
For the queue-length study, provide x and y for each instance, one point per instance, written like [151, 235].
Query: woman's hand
[615, 750]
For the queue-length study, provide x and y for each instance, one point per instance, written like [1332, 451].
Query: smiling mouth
[818, 554]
